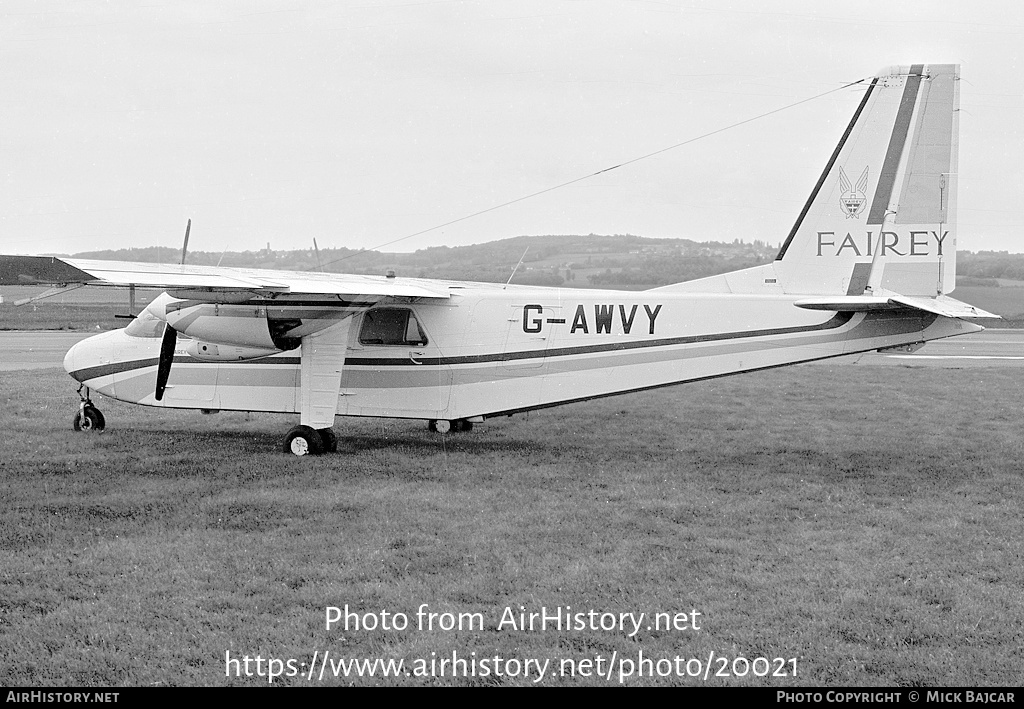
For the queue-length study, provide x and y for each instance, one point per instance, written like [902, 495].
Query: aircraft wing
[31, 270]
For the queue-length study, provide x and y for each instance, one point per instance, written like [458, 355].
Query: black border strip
[828, 169]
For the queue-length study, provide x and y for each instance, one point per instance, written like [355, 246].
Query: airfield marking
[914, 356]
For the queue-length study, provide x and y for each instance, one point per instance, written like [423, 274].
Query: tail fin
[882, 217]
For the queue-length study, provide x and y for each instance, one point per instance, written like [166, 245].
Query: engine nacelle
[245, 327]
[210, 352]
[238, 325]
[255, 329]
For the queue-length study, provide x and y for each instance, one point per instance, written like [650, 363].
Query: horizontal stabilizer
[942, 305]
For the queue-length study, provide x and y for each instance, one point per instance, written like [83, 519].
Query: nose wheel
[88, 417]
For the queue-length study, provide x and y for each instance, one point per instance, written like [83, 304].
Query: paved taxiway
[992, 348]
[36, 349]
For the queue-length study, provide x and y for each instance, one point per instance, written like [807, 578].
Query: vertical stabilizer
[882, 217]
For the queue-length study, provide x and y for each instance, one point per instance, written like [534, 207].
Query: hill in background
[594, 261]
[990, 280]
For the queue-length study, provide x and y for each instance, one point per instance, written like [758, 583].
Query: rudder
[881, 217]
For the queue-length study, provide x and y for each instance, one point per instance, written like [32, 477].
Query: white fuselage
[490, 350]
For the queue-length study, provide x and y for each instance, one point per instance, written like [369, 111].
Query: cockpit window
[145, 324]
[391, 326]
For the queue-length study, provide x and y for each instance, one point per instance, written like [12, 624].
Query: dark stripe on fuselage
[537, 407]
[105, 370]
[838, 320]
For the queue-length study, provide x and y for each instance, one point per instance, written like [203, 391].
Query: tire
[329, 440]
[303, 440]
[89, 418]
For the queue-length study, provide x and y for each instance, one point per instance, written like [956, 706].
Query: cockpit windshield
[145, 324]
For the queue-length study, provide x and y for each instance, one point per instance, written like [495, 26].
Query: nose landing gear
[88, 417]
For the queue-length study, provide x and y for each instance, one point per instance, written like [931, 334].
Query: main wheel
[329, 440]
[303, 440]
[89, 418]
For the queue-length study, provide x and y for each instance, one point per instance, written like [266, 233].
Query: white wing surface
[28, 270]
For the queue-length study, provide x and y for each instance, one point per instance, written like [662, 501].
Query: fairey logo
[852, 200]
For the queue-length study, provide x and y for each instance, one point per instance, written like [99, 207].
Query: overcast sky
[361, 123]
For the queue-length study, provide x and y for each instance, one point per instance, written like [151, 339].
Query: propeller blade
[318, 261]
[163, 369]
[184, 246]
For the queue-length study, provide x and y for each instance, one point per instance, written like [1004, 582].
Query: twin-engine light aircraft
[865, 267]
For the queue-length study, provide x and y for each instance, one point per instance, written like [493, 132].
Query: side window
[391, 326]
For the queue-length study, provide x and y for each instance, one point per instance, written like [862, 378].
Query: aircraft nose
[85, 358]
[69, 360]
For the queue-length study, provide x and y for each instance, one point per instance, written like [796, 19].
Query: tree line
[551, 260]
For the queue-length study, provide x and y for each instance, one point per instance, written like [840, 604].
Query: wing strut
[323, 358]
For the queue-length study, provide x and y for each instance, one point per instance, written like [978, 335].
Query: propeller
[170, 337]
[163, 369]
[184, 246]
[319, 263]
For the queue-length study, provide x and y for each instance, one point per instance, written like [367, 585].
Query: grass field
[77, 309]
[863, 520]
[1005, 301]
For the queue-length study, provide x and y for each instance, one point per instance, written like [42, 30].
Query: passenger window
[391, 326]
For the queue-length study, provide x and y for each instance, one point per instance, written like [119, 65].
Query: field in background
[865, 520]
[77, 309]
[1005, 301]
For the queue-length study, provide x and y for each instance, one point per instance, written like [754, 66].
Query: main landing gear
[442, 426]
[305, 440]
[88, 417]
